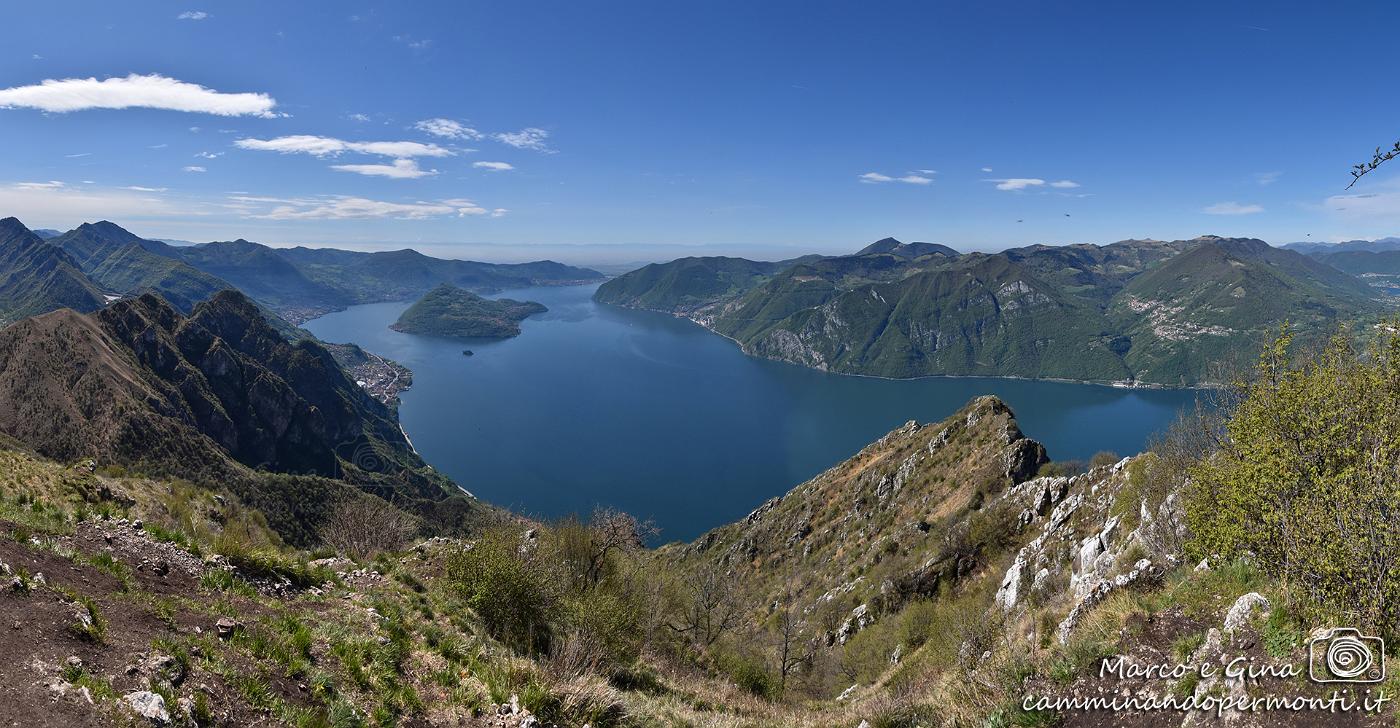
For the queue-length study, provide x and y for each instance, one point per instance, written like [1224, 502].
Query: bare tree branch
[1377, 159]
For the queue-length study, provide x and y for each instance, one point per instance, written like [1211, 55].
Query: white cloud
[1018, 183]
[1064, 184]
[447, 128]
[362, 118]
[139, 188]
[193, 168]
[354, 208]
[209, 155]
[926, 171]
[319, 146]
[53, 185]
[499, 212]
[1267, 178]
[1231, 208]
[528, 138]
[79, 155]
[986, 169]
[494, 166]
[400, 169]
[872, 178]
[134, 91]
[192, 15]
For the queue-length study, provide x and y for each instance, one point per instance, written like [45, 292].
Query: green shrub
[510, 591]
[751, 675]
[1305, 475]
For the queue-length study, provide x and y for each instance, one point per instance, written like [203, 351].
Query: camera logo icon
[1345, 655]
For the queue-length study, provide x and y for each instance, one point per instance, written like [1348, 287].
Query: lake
[595, 405]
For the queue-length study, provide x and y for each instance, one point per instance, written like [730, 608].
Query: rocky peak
[896, 512]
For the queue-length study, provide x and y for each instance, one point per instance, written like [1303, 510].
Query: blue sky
[600, 131]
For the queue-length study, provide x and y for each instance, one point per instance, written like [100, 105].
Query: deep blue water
[595, 405]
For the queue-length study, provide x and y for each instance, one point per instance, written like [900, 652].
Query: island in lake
[451, 311]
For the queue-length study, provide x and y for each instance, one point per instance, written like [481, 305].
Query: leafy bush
[750, 675]
[1304, 480]
[509, 590]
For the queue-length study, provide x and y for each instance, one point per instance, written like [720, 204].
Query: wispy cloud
[139, 188]
[417, 44]
[79, 155]
[1064, 184]
[1231, 208]
[209, 155]
[1017, 183]
[193, 168]
[447, 129]
[192, 15]
[400, 169]
[362, 118]
[528, 138]
[1267, 178]
[62, 204]
[494, 166]
[319, 146]
[355, 208]
[987, 169]
[875, 178]
[1368, 207]
[134, 91]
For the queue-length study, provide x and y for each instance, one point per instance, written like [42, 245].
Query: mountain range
[1172, 313]
[36, 277]
[85, 267]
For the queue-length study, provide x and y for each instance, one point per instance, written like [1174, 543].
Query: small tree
[588, 550]
[364, 526]
[791, 645]
[709, 608]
